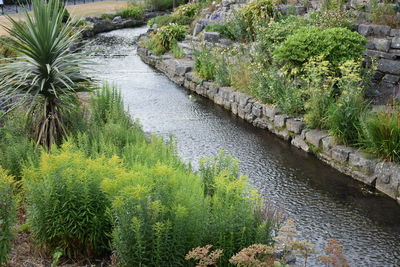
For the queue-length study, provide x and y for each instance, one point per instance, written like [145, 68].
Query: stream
[323, 202]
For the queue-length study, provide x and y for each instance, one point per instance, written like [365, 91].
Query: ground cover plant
[166, 37]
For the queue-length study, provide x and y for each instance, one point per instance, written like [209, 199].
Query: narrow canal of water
[323, 202]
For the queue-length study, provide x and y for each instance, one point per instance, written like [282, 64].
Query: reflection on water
[323, 202]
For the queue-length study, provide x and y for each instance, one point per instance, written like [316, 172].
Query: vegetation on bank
[308, 66]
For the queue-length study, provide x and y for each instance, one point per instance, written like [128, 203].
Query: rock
[257, 110]
[182, 69]
[363, 161]
[396, 43]
[314, 137]
[234, 108]
[201, 90]
[198, 28]
[117, 19]
[284, 134]
[301, 10]
[327, 144]
[295, 125]
[393, 79]
[387, 176]
[365, 30]
[299, 142]
[341, 153]
[270, 111]
[212, 37]
[370, 45]
[379, 54]
[261, 123]
[395, 32]
[242, 98]
[389, 66]
[212, 91]
[380, 30]
[382, 44]
[280, 120]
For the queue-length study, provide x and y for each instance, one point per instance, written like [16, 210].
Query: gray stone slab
[314, 137]
[388, 178]
[280, 120]
[295, 125]
[341, 153]
[299, 142]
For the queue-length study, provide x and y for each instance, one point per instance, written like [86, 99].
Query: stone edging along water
[384, 176]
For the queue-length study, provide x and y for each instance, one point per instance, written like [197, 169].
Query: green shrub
[333, 19]
[318, 84]
[274, 33]
[222, 67]
[177, 52]
[160, 212]
[274, 87]
[335, 45]
[343, 116]
[161, 5]
[205, 65]
[5, 50]
[222, 29]
[385, 13]
[66, 208]
[158, 215]
[16, 147]
[132, 11]
[165, 37]
[187, 10]
[7, 214]
[379, 133]
[165, 20]
[243, 25]
[182, 15]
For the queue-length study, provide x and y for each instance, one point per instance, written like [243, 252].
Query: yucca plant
[46, 74]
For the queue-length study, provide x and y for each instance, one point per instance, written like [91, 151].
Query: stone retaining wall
[384, 45]
[385, 176]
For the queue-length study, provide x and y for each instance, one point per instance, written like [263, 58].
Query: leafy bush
[243, 25]
[182, 15]
[161, 5]
[177, 52]
[205, 65]
[343, 116]
[5, 50]
[335, 45]
[188, 10]
[274, 33]
[222, 29]
[132, 11]
[160, 212]
[66, 208]
[318, 85]
[165, 37]
[7, 214]
[380, 133]
[169, 19]
[274, 87]
[385, 14]
[333, 19]
[16, 148]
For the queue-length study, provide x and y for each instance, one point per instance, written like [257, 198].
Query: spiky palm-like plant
[45, 76]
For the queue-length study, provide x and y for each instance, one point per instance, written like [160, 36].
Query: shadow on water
[323, 202]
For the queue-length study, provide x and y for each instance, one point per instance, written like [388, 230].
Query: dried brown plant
[335, 256]
[204, 257]
[256, 255]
